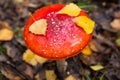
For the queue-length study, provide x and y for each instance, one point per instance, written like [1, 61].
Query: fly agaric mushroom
[58, 31]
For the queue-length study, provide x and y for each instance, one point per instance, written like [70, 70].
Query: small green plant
[101, 77]
[2, 49]
[87, 77]
[83, 3]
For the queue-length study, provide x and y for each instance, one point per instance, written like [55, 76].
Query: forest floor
[102, 64]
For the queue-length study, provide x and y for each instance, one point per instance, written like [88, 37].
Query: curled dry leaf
[93, 45]
[115, 24]
[6, 32]
[88, 60]
[32, 58]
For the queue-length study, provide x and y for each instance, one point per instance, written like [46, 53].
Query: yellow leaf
[70, 9]
[19, 1]
[32, 58]
[39, 27]
[85, 23]
[50, 75]
[86, 51]
[32, 62]
[40, 60]
[97, 67]
[6, 34]
[28, 56]
[70, 77]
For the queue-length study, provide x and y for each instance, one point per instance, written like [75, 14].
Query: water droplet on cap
[55, 52]
[56, 56]
[80, 39]
[54, 40]
[53, 22]
[74, 36]
[73, 50]
[43, 50]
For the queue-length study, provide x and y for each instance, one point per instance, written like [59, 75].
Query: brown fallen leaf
[37, 77]
[28, 71]
[115, 24]
[117, 14]
[88, 60]
[6, 32]
[93, 45]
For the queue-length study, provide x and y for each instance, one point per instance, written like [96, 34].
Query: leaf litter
[104, 46]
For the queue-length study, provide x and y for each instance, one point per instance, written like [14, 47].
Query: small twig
[21, 74]
[3, 77]
[11, 63]
[106, 28]
[108, 42]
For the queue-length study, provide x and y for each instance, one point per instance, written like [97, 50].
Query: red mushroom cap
[63, 37]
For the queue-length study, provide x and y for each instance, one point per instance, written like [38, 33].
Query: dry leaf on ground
[70, 77]
[97, 67]
[87, 51]
[115, 24]
[93, 45]
[32, 58]
[6, 32]
[50, 75]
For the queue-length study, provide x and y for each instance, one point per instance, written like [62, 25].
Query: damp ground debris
[102, 64]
